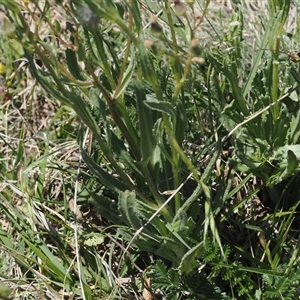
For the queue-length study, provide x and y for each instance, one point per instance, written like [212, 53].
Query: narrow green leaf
[180, 123]
[136, 12]
[185, 206]
[176, 68]
[50, 262]
[145, 122]
[190, 260]
[81, 52]
[104, 177]
[161, 106]
[42, 80]
[118, 147]
[256, 270]
[241, 184]
[102, 54]
[127, 78]
[159, 225]
[228, 69]
[221, 195]
[106, 207]
[257, 62]
[87, 291]
[171, 250]
[206, 221]
[180, 222]
[292, 163]
[128, 207]
[295, 128]
[183, 244]
[295, 74]
[83, 111]
[288, 162]
[5, 239]
[212, 163]
[148, 69]
[73, 66]
[10, 5]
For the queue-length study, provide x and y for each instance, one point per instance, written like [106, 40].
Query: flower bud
[195, 50]
[198, 60]
[179, 8]
[156, 47]
[148, 44]
[155, 28]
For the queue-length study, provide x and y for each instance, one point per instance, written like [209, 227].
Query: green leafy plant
[182, 141]
[177, 287]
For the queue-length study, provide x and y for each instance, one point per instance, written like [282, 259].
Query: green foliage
[275, 287]
[176, 286]
[4, 291]
[265, 145]
[185, 136]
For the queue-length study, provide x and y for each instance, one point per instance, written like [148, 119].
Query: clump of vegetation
[150, 150]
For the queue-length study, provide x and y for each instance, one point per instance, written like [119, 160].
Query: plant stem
[275, 79]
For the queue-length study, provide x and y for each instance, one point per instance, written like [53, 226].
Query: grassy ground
[149, 160]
